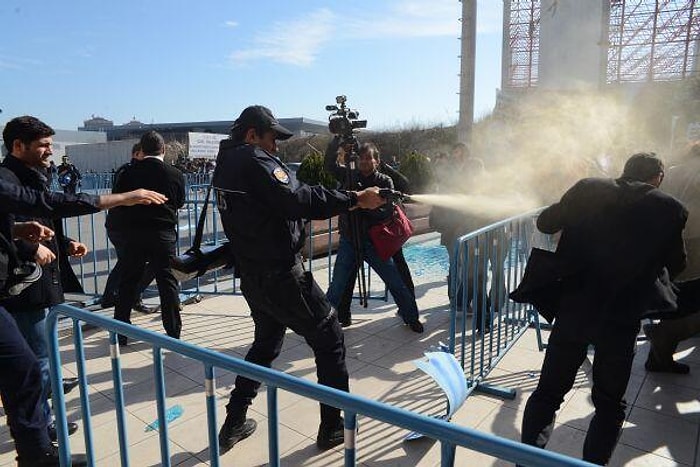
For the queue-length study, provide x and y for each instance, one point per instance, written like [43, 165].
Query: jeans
[20, 390]
[346, 266]
[31, 325]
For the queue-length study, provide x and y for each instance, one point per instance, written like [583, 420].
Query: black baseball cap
[257, 116]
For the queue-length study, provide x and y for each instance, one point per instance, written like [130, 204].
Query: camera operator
[262, 209]
[21, 386]
[346, 260]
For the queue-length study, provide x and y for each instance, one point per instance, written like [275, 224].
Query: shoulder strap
[200, 224]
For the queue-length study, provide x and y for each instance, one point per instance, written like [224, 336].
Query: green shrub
[312, 172]
[416, 167]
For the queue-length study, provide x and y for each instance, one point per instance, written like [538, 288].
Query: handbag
[198, 260]
[389, 236]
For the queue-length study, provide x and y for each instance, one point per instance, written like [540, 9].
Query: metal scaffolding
[523, 18]
[652, 40]
[649, 40]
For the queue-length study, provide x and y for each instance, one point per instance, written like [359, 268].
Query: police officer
[68, 176]
[20, 384]
[262, 208]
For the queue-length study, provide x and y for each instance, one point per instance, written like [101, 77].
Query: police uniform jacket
[57, 276]
[17, 199]
[618, 235]
[262, 206]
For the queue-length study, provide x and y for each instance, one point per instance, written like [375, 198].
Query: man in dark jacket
[114, 225]
[346, 260]
[21, 386]
[150, 233]
[262, 210]
[27, 166]
[619, 234]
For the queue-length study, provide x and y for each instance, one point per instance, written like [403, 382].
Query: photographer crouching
[359, 170]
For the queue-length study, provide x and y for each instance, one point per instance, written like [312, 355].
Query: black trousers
[21, 390]
[291, 299]
[404, 272]
[111, 291]
[567, 347]
[155, 247]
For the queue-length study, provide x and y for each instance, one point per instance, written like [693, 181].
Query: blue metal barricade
[450, 436]
[487, 265]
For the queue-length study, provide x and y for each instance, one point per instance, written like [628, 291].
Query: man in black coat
[619, 234]
[150, 233]
[114, 226]
[28, 166]
[21, 386]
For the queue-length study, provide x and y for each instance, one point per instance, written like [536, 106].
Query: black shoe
[416, 326]
[234, 430]
[654, 366]
[330, 436]
[53, 433]
[345, 321]
[50, 459]
[69, 384]
[143, 308]
[108, 302]
[122, 340]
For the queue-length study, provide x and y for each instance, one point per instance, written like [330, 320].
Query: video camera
[343, 121]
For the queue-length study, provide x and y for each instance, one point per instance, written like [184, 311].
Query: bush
[312, 172]
[416, 167]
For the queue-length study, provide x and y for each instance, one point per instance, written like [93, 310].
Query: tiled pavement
[662, 425]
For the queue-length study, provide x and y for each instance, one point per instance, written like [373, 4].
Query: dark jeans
[21, 390]
[566, 349]
[111, 291]
[155, 247]
[346, 299]
[345, 267]
[31, 323]
[284, 299]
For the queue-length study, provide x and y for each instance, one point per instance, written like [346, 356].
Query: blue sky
[180, 60]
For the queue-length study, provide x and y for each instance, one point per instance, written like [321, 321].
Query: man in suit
[116, 236]
[620, 234]
[150, 233]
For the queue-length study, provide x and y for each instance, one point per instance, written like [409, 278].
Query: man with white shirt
[150, 233]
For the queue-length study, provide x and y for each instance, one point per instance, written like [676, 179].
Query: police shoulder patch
[281, 175]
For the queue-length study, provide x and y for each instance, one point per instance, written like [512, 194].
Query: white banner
[204, 145]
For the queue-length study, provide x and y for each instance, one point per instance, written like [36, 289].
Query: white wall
[573, 44]
[100, 157]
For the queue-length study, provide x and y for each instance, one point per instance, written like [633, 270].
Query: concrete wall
[573, 44]
[100, 157]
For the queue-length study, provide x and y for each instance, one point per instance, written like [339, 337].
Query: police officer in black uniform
[262, 208]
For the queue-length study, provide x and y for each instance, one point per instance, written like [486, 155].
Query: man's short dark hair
[26, 129]
[135, 148]
[371, 148]
[642, 167]
[152, 143]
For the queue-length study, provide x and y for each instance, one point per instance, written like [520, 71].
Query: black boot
[235, 429]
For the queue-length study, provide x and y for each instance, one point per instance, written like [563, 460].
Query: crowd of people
[621, 257]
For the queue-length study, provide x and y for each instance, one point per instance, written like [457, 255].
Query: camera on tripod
[343, 121]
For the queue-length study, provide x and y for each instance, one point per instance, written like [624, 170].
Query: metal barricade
[488, 264]
[447, 434]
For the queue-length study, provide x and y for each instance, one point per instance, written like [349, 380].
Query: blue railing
[500, 251]
[450, 436]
